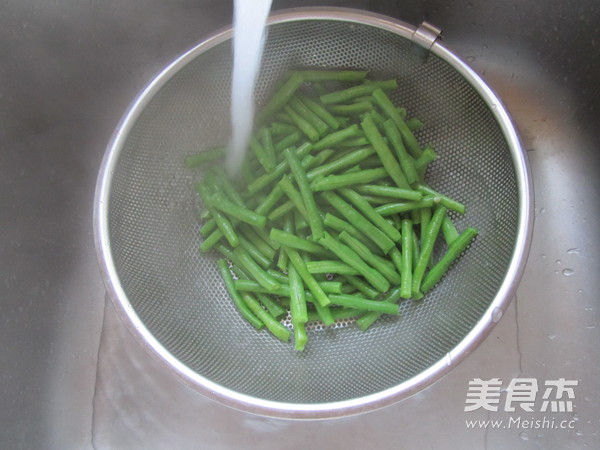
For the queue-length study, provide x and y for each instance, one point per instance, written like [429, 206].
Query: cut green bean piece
[274, 308]
[300, 336]
[254, 252]
[384, 266]
[453, 252]
[314, 218]
[451, 204]
[218, 201]
[360, 141]
[407, 254]
[361, 286]
[308, 279]
[395, 208]
[449, 231]
[292, 193]
[330, 266]
[351, 109]
[414, 124]
[368, 319]
[352, 301]
[288, 141]
[278, 128]
[390, 192]
[406, 161]
[390, 163]
[320, 111]
[303, 124]
[225, 226]
[332, 139]
[253, 237]
[390, 110]
[257, 272]
[370, 213]
[273, 325]
[427, 244]
[265, 180]
[205, 157]
[242, 307]
[266, 138]
[340, 163]
[262, 155]
[295, 242]
[281, 97]
[337, 313]
[331, 182]
[298, 309]
[350, 257]
[357, 91]
[359, 221]
[303, 111]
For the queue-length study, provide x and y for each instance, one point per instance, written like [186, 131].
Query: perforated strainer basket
[170, 296]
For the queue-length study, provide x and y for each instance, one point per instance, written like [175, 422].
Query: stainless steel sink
[72, 377]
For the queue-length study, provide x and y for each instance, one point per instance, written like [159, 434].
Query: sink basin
[71, 375]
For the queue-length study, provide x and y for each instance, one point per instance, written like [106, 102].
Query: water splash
[568, 272]
[249, 21]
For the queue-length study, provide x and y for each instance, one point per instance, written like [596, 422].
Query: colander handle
[423, 39]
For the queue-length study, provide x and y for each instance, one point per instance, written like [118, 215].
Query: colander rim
[344, 408]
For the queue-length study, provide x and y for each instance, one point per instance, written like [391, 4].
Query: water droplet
[542, 210]
[579, 433]
[558, 261]
[575, 417]
[543, 255]
[591, 327]
[568, 272]
[580, 291]
[552, 336]
[573, 251]
[496, 315]
[524, 436]
[556, 271]
[471, 58]
[448, 359]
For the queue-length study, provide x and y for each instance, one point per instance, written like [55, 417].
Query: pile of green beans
[331, 217]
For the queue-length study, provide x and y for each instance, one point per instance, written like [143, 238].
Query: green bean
[236, 297]
[266, 139]
[269, 201]
[281, 97]
[283, 290]
[331, 182]
[340, 163]
[303, 111]
[293, 195]
[250, 265]
[205, 157]
[254, 252]
[449, 230]
[352, 301]
[320, 111]
[324, 314]
[414, 124]
[281, 278]
[330, 266]
[308, 279]
[390, 191]
[339, 225]
[367, 319]
[220, 202]
[298, 309]
[361, 286]
[427, 248]
[300, 336]
[314, 219]
[370, 213]
[337, 313]
[303, 124]
[454, 251]
[225, 226]
[406, 161]
[274, 308]
[390, 110]
[278, 128]
[295, 242]
[360, 141]
[252, 235]
[262, 155]
[211, 240]
[272, 324]
[384, 266]
[407, 254]
[332, 75]
[334, 138]
[424, 160]
[388, 160]
[288, 141]
[208, 227]
[357, 91]
[394, 208]
[351, 109]
[416, 251]
[263, 181]
[451, 204]
[359, 221]
[350, 257]
[281, 211]
[396, 258]
[300, 222]
[288, 227]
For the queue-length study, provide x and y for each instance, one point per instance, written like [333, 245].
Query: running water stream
[249, 34]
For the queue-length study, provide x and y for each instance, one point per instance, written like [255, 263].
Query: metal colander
[170, 295]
